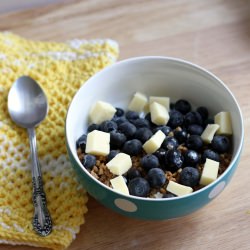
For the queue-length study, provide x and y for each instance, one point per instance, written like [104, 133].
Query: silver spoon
[27, 105]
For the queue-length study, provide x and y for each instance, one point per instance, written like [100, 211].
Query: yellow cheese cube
[159, 114]
[120, 164]
[208, 134]
[98, 143]
[223, 119]
[164, 101]
[118, 183]
[178, 189]
[138, 102]
[209, 172]
[101, 111]
[154, 143]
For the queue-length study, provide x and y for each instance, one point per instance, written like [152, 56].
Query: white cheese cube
[164, 101]
[209, 172]
[138, 102]
[120, 164]
[178, 189]
[159, 114]
[154, 143]
[158, 195]
[118, 183]
[101, 111]
[208, 134]
[98, 143]
[223, 119]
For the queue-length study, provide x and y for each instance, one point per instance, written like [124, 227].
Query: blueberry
[192, 117]
[175, 119]
[81, 142]
[119, 120]
[203, 112]
[156, 177]
[133, 173]
[89, 161]
[127, 128]
[183, 106]
[117, 139]
[148, 118]
[108, 126]
[169, 143]
[210, 154]
[132, 147]
[93, 127]
[141, 123]
[119, 112]
[220, 144]
[149, 161]
[208, 121]
[161, 154]
[181, 136]
[112, 154]
[194, 142]
[189, 176]
[191, 158]
[143, 134]
[174, 160]
[165, 129]
[168, 195]
[132, 115]
[171, 105]
[139, 187]
[195, 129]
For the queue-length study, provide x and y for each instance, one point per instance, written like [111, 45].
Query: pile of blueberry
[129, 131]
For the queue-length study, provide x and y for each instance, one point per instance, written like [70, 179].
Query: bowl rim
[178, 61]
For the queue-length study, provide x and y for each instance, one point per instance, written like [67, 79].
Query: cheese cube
[120, 164]
[101, 111]
[159, 114]
[209, 172]
[154, 143]
[223, 119]
[138, 102]
[208, 134]
[178, 189]
[158, 195]
[164, 101]
[118, 183]
[97, 143]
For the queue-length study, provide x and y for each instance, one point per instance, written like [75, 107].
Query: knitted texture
[60, 69]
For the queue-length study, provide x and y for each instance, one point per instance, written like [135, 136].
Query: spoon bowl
[28, 106]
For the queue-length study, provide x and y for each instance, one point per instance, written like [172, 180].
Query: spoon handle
[42, 223]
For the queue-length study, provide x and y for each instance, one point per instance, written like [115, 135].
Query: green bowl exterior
[151, 209]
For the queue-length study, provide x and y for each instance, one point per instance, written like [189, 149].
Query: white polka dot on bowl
[125, 205]
[217, 189]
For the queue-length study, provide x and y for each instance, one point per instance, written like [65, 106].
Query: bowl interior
[153, 76]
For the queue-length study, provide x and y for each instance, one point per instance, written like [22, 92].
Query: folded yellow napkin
[60, 69]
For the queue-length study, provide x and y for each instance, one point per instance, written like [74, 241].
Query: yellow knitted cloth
[60, 69]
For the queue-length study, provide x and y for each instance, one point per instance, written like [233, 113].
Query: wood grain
[214, 34]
